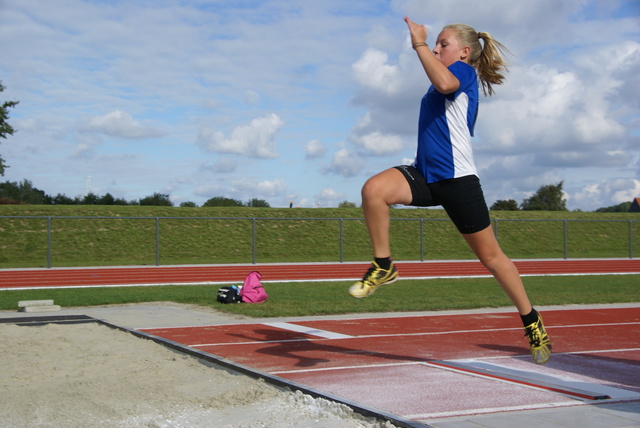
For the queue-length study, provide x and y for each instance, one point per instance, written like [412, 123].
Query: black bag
[229, 294]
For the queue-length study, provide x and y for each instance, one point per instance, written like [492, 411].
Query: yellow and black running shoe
[539, 342]
[374, 278]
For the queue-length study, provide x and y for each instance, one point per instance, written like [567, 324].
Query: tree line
[12, 192]
[5, 127]
[549, 198]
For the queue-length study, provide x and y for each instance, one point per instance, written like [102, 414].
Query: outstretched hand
[418, 32]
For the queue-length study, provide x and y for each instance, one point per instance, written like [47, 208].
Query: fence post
[630, 239]
[157, 241]
[421, 239]
[565, 238]
[253, 241]
[49, 242]
[341, 239]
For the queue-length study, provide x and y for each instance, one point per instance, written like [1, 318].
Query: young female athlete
[444, 172]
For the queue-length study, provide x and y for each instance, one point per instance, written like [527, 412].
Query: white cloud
[222, 165]
[257, 139]
[329, 197]
[345, 163]
[85, 148]
[315, 149]
[271, 187]
[407, 161]
[372, 141]
[119, 124]
[562, 118]
[625, 190]
[607, 193]
[535, 112]
[208, 191]
[379, 144]
[28, 124]
[252, 97]
[373, 71]
[582, 159]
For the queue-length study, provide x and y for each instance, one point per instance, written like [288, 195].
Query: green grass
[320, 298]
[127, 236]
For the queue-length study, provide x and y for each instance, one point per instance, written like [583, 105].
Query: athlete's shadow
[281, 344]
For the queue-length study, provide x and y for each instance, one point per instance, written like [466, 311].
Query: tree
[62, 199]
[346, 204]
[120, 201]
[502, 205]
[620, 208]
[258, 203]
[220, 201]
[157, 199]
[23, 192]
[5, 128]
[188, 204]
[90, 199]
[107, 199]
[547, 198]
[10, 193]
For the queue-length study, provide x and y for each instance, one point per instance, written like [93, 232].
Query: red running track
[440, 365]
[409, 365]
[156, 275]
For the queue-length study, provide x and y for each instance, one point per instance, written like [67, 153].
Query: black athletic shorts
[462, 198]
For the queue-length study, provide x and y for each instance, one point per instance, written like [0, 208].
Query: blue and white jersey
[445, 128]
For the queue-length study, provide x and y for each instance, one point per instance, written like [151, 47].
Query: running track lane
[403, 365]
[217, 274]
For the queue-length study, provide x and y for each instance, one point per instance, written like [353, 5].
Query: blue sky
[301, 101]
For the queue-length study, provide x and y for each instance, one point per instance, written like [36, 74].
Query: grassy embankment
[132, 241]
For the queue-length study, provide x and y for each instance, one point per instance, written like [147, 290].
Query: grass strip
[329, 298]
[142, 235]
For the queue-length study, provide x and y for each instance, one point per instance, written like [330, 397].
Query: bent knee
[389, 186]
[496, 262]
[372, 188]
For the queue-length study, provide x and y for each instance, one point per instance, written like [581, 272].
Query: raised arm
[441, 78]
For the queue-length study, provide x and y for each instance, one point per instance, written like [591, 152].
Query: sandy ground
[84, 375]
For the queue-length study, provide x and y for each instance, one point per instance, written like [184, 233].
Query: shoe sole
[541, 355]
[374, 290]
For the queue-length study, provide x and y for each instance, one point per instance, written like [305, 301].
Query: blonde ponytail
[488, 60]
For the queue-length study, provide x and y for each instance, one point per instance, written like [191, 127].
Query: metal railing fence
[96, 240]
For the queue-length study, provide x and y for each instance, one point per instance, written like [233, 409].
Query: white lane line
[549, 379]
[253, 342]
[466, 360]
[551, 383]
[358, 367]
[490, 410]
[484, 330]
[325, 334]
[331, 335]
[557, 354]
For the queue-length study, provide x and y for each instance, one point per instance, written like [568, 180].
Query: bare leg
[390, 187]
[486, 247]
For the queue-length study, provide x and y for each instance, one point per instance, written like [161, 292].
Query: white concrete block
[25, 303]
[40, 308]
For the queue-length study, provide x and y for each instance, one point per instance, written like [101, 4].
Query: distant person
[444, 172]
